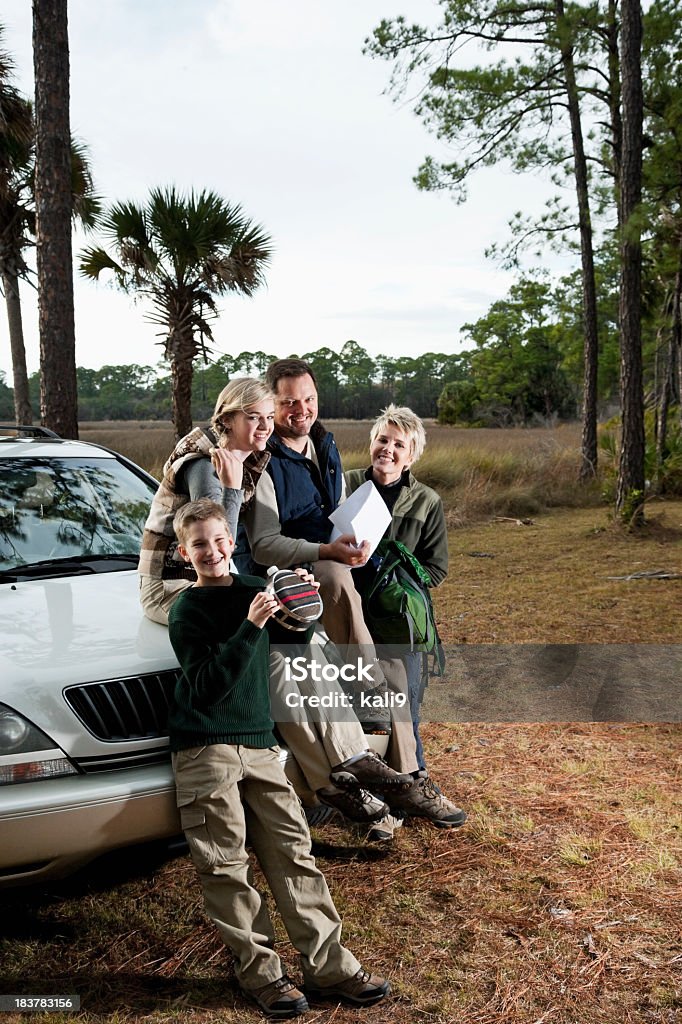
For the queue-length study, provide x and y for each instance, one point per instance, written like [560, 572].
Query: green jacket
[418, 522]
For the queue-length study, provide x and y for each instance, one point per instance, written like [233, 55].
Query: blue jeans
[415, 669]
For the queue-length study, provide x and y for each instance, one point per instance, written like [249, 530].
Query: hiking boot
[382, 831]
[370, 772]
[356, 804]
[425, 800]
[279, 999]
[373, 719]
[363, 989]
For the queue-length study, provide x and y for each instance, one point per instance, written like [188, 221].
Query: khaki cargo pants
[228, 795]
[345, 625]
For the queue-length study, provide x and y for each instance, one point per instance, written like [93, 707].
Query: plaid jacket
[158, 555]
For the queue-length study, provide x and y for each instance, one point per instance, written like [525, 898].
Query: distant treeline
[352, 385]
[523, 365]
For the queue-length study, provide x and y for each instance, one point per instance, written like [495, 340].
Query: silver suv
[85, 679]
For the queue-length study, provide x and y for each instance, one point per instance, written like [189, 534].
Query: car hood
[57, 632]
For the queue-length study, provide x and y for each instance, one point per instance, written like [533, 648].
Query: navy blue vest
[305, 494]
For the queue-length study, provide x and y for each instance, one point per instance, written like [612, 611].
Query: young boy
[230, 783]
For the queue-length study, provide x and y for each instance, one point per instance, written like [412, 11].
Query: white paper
[364, 514]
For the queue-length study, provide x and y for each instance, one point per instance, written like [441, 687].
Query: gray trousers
[318, 743]
[227, 794]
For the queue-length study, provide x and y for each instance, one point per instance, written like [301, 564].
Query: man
[288, 525]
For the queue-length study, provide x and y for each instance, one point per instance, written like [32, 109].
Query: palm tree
[16, 135]
[181, 252]
[17, 234]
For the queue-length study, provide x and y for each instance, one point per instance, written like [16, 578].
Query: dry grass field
[558, 578]
[559, 902]
[478, 472]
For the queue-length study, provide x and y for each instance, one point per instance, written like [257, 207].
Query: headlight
[17, 735]
[20, 741]
[13, 731]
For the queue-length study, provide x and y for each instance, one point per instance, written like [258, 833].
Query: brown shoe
[279, 999]
[370, 772]
[424, 800]
[356, 804]
[363, 989]
[382, 831]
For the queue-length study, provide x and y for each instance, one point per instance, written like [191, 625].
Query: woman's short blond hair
[403, 419]
[238, 396]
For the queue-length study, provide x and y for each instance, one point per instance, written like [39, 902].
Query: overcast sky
[274, 106]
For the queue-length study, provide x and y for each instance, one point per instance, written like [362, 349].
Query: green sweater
[223, 694]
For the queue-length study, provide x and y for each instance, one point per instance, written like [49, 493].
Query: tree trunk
[23, 413]
[181, 377]
[669, 391]
[58, 389]
[676, 340]
[630, 489]
[614, 91]
[662, 414]
[588, 465]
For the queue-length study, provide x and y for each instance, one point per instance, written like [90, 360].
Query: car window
[59, 508]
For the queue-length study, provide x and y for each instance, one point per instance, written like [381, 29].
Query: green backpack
[396, 602]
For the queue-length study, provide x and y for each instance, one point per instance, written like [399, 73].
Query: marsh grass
[478, 473]
[481, 473]
[146, 442]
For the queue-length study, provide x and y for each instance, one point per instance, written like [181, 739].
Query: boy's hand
[307, 577]
[261, 608]
[229, 469]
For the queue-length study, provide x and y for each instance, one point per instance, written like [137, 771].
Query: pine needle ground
[560, 900]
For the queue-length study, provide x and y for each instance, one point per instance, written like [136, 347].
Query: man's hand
[229, 469]
[261, 608]
[307, 577]
[346, 550]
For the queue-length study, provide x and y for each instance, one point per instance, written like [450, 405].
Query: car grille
[120, 762]
[118, 710]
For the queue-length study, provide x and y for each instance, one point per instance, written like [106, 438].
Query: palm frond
[86, 204]
[197, 229]
[243, 269]
[94, 260]
[126, 222]
[16, 112]
[16, 135]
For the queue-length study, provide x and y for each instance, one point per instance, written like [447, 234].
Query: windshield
[69, 508]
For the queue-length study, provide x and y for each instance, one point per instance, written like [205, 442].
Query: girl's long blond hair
[238, 396]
